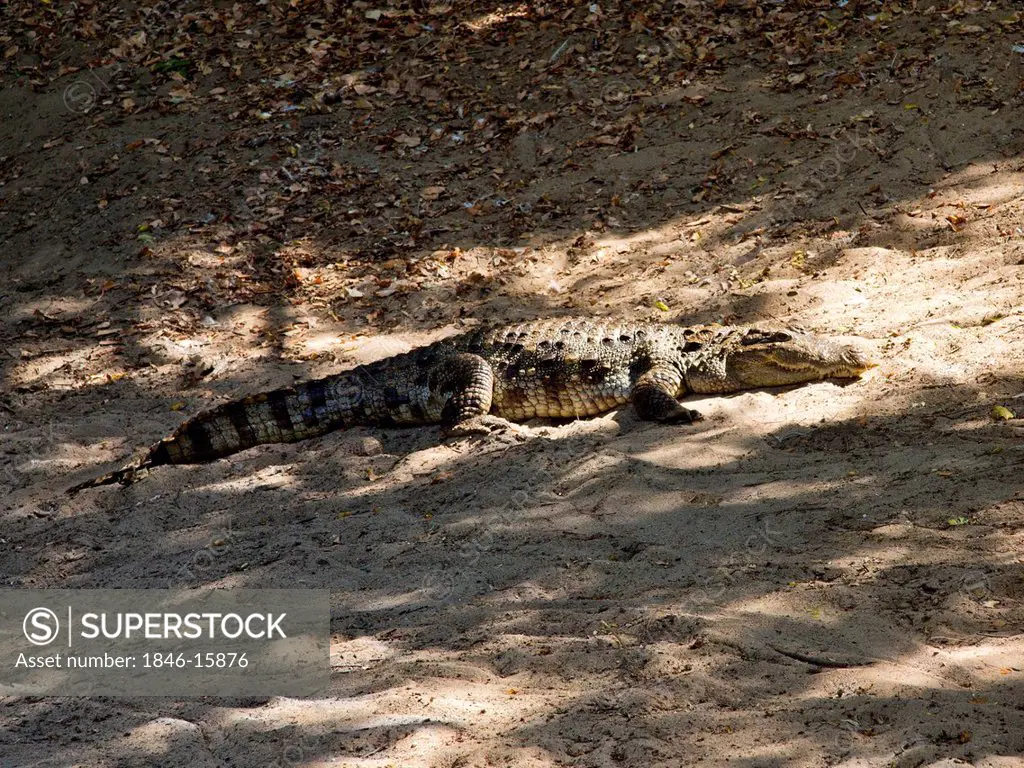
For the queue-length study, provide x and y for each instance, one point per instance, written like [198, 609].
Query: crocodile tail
[283, 416]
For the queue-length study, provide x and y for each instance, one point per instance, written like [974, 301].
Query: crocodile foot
[681, 415]
[484, 425]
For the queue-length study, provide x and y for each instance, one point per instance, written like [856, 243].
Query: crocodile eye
[761, 337]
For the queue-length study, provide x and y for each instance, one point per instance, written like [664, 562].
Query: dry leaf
[407, 141]
[1002, 413]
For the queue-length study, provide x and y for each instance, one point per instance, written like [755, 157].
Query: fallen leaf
[407, 141]
[1002, 413]
[956, 222]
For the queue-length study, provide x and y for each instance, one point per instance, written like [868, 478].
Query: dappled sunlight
[274, 477]
[775, 754]
[62, 371]
[359, 652]
[369, 600]
[491, 19]
[787, 491]
[157, 739]
[917, 671]
[59, 457]
[55, 308]
[827, 574]
[433, 714]
[982, 186]
[714, 448]
[996, 661]
[311, 724]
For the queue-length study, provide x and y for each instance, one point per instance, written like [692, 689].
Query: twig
[559, 51]
[818, 661]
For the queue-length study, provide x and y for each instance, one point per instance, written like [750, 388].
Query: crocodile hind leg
[465, 382]
[654, 396]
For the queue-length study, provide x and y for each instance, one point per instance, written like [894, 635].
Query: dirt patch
[203, 200]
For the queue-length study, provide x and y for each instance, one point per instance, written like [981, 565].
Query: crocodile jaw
[752, 358]
[794, 358]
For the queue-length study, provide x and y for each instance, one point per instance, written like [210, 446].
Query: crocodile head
[777, 358]
[751, 358]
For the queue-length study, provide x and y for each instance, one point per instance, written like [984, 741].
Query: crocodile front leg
[655, 392]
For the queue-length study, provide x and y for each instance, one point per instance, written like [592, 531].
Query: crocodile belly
[559, 397]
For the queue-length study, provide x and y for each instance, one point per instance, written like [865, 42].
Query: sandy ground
[828, 575]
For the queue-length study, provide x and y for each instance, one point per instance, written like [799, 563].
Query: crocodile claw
[482, 425]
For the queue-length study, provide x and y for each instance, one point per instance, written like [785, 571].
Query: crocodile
[478, 382]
